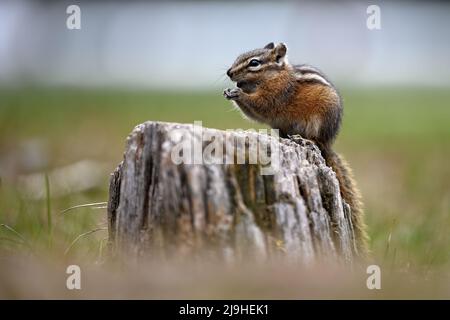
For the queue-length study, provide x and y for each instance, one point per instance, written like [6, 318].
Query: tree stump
[160, 207]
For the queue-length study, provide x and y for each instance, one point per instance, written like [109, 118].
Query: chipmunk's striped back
[307, 73]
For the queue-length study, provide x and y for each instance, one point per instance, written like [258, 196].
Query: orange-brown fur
[274, 93]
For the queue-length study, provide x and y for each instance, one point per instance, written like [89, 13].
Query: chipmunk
[296, 100]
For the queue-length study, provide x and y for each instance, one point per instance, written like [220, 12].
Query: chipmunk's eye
[254, 63]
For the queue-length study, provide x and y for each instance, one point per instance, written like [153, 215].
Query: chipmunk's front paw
[232, 94]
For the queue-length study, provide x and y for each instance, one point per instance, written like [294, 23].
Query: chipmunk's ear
[280, 50]
[269, 46]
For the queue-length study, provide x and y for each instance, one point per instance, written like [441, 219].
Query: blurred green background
[396, 140]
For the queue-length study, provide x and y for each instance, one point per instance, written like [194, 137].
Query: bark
[230, 211]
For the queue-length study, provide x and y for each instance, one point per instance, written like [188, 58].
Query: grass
[396, 140]
[49, 210]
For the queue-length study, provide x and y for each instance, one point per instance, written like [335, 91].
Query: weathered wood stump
[220, 208]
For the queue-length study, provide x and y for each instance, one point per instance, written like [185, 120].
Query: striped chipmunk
[296, 100]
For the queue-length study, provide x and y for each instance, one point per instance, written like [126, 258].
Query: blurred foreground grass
[396, 140]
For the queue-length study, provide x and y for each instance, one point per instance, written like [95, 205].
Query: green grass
[49, 210]
[397, 141]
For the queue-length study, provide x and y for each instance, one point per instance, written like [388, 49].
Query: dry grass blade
[100, 250]
[6, 239]
[96, 205]
[81, 236]
[49, 208]
[17, 234]
[11, 229]
[388, 243]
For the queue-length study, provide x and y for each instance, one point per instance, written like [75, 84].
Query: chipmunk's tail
[351, 195]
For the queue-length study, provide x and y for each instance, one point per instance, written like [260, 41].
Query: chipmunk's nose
[229, 73]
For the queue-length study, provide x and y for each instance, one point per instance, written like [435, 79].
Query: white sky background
[191, 44]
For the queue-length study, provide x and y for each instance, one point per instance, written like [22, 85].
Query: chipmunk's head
[258, 65]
